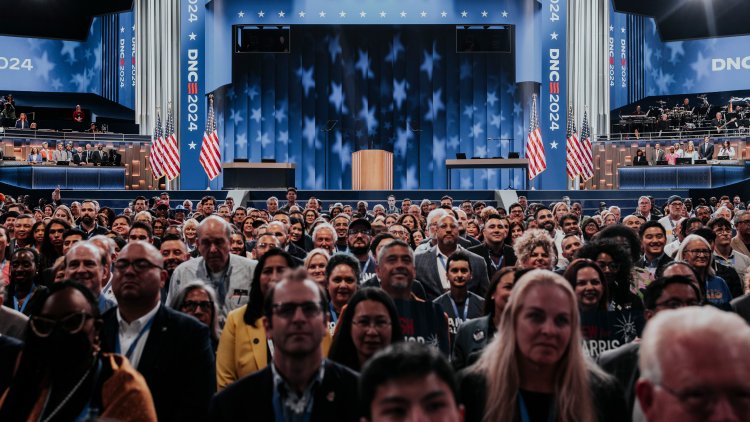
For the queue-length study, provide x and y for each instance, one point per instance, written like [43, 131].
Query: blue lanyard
[131, 349]
[334, 317]
[279, 412]
[26, 301]
[442, 261]
[455, 308]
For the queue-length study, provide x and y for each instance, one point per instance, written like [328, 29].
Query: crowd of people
[440, 311]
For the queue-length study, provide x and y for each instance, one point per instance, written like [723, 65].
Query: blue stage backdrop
[402, 89]
[673, 68]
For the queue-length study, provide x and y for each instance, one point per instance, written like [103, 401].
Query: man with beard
[140, 204]
[85, 264]
[653, 239]
[569, 224]
[546, 221]
[206, 207]
[671, 220]
[496, 253]
[362, 207]
[88, 223]
[633, 222]
[238, 216]
[459, 303]
[741, 241]
[358, 240]
[431, 265]
[424, 321]
[230, 275]
[571, 243]
[174, 252]
[23, 288]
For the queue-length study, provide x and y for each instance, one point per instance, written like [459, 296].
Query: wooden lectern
[372, 169]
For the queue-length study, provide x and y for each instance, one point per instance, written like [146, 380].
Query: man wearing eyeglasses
[358, 241]
[741, 241]
[694, 368]
[725, 255]
[672, 220]
[300, 385]
[663, 294]
[172, 351]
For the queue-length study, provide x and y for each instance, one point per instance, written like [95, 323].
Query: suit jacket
[22, 124]
[741, 306]
[177, 363]
[660, 155]
[640, 160]
[251, 398]
[12, 322]
[427, 273]
[10, 348]
[99, 157]
[471, 339]
[63, 155]
[509, 257]
[706, 151]
[622, 363]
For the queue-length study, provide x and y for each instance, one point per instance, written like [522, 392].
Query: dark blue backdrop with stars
[399, 88]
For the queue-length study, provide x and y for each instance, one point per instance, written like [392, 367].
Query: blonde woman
[190, 233]
[535, 369]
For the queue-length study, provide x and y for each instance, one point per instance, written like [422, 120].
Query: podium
[372, 169]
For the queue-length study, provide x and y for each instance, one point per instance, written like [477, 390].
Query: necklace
[65, 400]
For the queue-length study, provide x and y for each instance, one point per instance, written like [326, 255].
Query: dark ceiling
[690, 19]
[63, 19]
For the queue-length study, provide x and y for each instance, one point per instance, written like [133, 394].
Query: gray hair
[665, 329]
[146, 213]
[396, 242]
[280, 224]
[179, 299]
[315, 252]
[680, 255]
[108, 242]
[530, 240]
[325, 226]
[738, 215]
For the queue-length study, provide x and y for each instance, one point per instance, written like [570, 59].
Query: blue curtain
[402, 89]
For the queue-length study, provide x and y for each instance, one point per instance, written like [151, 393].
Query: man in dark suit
[99, 156]
[495, 252]
[299, 384]
[663, 294]
[430, 265]
[171, 350]
[706, 150]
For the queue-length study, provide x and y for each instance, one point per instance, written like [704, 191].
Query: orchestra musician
[718, 122]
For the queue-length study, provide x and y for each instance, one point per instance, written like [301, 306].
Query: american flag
[588, 158]
[573, 148]
[157, 166]
[210, 157]
[171, 157]
[534, 145]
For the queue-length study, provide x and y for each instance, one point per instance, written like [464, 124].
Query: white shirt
[442, 261]
[129, 332]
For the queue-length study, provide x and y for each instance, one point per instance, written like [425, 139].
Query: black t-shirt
[539, 405]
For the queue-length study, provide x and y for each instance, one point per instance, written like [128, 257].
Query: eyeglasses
[376, 323]
[720, 230]
[614, 266]
[71, 324]
[192, 305]
[676, 303]
[743, 222]
[354, 232]
[139, 265]
[288, 310]
[698, 252]
[702, 401]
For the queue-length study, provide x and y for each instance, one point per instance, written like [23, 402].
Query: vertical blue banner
[192, 106]
[617, 49]
[552, 113]
[126, 60]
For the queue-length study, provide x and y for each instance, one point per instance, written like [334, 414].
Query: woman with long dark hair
[369, 323]
[52, 245]
[589, 283]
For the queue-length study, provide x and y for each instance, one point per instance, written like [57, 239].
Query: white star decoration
[362, 14]
[443, 14]
[464, 14]
[423, 14]
[553, 144]
[403, 14]
[282, 14]
[505, 14]
[241, 14]
[261, 14]
[192, 145]
[322, 14]
[484, 13]
[382, 14]
[553, 35]
[342, 14]
[302, 13]
[611, 28]
[122, 29]
[192, 36]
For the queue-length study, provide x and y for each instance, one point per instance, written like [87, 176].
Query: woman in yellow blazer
[243, 348]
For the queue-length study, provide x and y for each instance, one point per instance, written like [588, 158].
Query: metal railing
[28, 134]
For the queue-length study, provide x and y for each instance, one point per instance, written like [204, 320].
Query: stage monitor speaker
[460, 156]
[261, 38]
[484, 38]
[267, 160]
[512, 154]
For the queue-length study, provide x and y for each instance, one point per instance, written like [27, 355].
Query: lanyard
[26, 300]
[131, 349]
[455, 308]
[334, 316]
[442, 261]
[279, 411]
